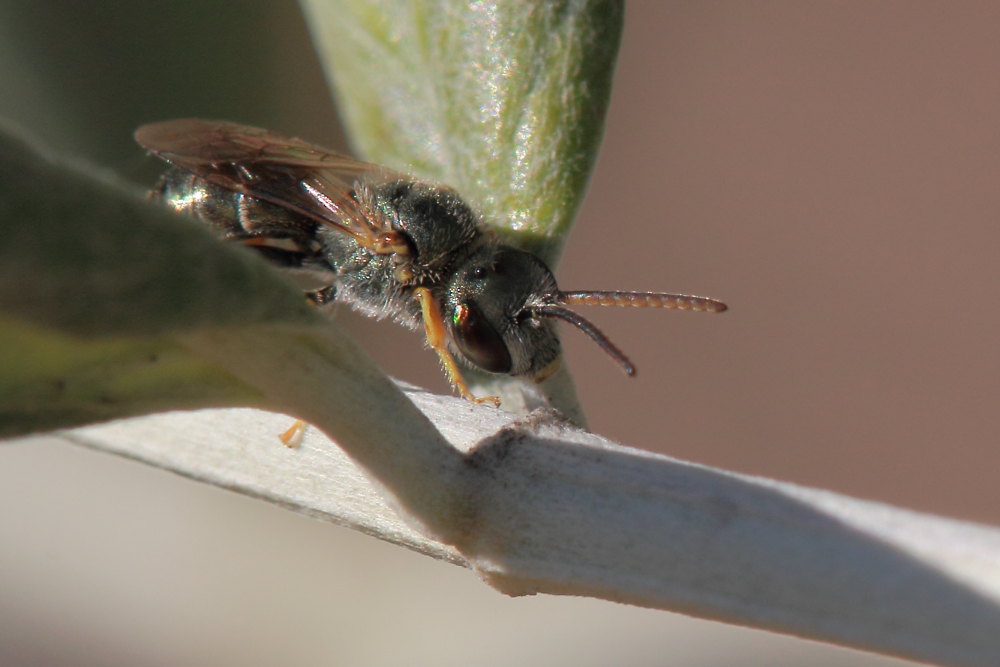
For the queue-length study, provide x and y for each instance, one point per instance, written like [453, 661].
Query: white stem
[549, 508]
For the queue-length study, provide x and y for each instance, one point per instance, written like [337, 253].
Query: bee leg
[435, 331]
[322, 296]
[292, 437]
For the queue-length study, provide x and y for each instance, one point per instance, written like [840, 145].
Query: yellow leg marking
[293, 436]
[435, 331]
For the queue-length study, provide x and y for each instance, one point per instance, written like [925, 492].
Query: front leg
[318, 297]
[435, 331]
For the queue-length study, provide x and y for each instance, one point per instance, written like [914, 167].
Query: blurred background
[828, 169]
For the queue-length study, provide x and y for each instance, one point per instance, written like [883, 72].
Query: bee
[391, 246]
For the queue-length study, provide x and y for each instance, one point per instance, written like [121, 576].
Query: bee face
[488, 304]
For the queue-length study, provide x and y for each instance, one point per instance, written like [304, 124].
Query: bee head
[488, 304]
[501, 303]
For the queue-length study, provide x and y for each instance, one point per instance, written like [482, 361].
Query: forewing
[298, 176]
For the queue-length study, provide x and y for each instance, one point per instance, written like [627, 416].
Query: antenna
[642, 300]
[629, 299]
[587, 327]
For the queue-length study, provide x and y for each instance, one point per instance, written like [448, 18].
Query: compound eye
[478, 340]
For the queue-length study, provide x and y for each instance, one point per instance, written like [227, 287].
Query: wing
[284, 171]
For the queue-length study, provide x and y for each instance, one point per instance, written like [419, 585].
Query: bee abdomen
[281, 236]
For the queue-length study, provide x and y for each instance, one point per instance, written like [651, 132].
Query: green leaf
[98, 288]
[504, 101]
[52, 380]
[84, 254]
[93, 282]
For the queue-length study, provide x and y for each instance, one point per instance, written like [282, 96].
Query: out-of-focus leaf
[51, 380]
[95, 282]
[504, 101]
[86, 255]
